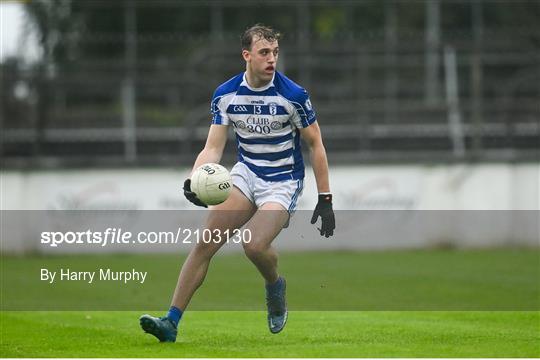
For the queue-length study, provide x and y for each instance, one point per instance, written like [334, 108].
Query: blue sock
[174, 314]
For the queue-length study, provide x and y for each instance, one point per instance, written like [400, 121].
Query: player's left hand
[325, 211]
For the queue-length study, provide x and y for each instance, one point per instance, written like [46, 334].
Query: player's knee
[254, 249]
[207, 248]
[202, 251]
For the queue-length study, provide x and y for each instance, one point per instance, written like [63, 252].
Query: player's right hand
[191, 196]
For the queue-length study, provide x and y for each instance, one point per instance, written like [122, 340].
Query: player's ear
[245, 55]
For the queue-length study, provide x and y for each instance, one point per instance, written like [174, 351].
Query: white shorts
[259, 191]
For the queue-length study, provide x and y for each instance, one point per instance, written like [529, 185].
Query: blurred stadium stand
[134, 87]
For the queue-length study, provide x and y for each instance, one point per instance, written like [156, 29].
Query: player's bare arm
[319, 162]
[211, 153]
[317, 154]
[213, 149]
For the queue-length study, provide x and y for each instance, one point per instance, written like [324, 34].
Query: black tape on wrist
[325, 198]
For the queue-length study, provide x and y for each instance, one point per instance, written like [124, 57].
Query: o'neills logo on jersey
[260, 102]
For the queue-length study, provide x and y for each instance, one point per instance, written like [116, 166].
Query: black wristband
[325, 198]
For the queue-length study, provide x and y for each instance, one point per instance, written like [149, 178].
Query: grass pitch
[244, 334]
[321, 287]
[502, 279]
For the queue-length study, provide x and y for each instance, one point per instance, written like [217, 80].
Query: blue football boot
[162, 328]
[277, 305]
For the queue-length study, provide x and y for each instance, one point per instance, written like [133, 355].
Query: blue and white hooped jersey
[266, 122]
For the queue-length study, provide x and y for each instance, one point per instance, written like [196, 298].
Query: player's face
[262, 58]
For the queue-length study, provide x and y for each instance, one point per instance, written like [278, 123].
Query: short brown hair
[262, 32]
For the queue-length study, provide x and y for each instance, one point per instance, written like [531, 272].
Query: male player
[269, 114]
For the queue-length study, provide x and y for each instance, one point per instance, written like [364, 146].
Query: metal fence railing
[385, 94]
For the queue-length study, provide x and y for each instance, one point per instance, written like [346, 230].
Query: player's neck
[255, 82]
